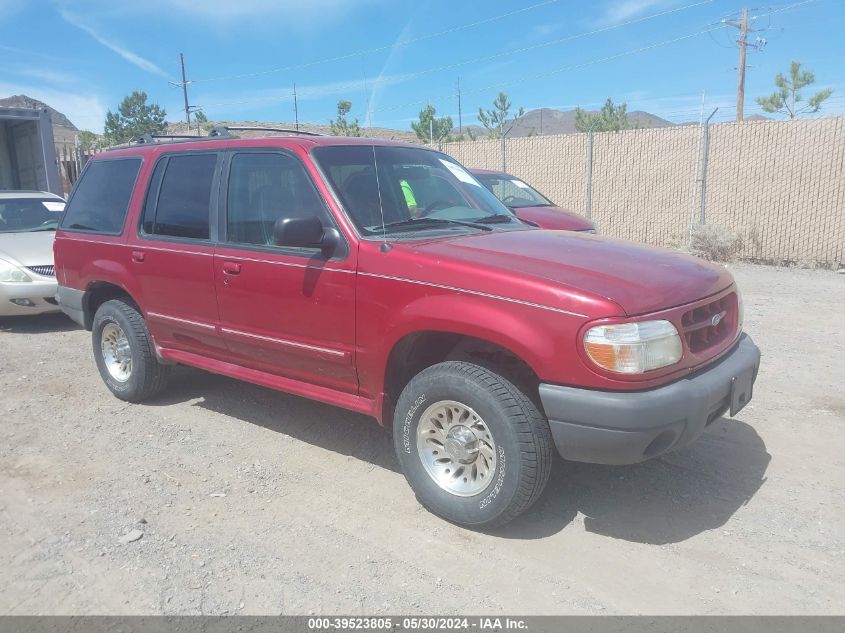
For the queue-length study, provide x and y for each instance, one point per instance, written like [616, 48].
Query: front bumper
[606, 427]
[39, 293]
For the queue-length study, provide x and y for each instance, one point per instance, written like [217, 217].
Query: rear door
[173, 253]
[286, 311]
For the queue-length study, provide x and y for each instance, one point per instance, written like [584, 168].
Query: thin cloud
[622, 10]
[224, 10]
[47, 75]
[132, 58]
[291, 14]
[383, 78]
[346, 88]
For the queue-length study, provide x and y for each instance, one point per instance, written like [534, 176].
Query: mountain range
[539, 122]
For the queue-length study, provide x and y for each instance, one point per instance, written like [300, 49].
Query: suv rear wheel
[124, 352]
[473, 447]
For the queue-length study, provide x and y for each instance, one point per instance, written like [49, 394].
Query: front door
[286, 311]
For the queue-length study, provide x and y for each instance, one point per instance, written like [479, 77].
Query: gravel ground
[255, 502]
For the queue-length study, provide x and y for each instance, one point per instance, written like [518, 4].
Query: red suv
[384, 278]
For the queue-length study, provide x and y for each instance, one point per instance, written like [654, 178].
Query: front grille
[44, 271]
[698, 325]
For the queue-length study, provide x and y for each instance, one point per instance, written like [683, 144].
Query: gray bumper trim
[627, 427]
[70, 301]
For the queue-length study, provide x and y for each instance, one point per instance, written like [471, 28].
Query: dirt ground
[256, 502]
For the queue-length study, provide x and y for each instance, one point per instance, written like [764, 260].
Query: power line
[377, 49]
[527, 78]
[642, 49]
[543, 75]
[486, 58]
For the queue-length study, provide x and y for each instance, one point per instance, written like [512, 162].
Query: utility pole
[185, 91]
[743, 47]
[184, 86]
[742, 42]
[295, 108]
[460, 121]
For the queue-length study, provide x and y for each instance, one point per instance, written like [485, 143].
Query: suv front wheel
[473, 447]
[124, 352]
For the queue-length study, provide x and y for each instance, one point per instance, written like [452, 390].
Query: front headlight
[633, 348]
[10, 272]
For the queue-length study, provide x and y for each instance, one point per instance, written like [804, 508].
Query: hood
[28, 249]
[554, 218]
[638, 278]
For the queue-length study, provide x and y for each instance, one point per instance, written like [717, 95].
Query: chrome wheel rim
[117, 355]
[456, 448]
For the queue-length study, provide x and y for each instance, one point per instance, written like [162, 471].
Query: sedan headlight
[10, 272]
[633, 348]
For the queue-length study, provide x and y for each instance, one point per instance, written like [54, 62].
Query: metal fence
[780, 185]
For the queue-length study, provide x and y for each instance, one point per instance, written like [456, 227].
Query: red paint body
[325, 329]
[550, 217]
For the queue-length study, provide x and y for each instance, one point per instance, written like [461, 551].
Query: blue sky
[391, 57]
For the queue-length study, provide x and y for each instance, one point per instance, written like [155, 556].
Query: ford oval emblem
[717, 318]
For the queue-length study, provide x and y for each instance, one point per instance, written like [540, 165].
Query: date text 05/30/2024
[416, 623]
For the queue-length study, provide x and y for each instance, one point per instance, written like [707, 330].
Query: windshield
[514, 192]
[23, 215]
[415, 189]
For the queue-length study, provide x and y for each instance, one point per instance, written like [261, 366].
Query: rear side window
[179, 206]
[101, 199]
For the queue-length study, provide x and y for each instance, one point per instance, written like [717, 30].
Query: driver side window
[264, 187]
[507, 189]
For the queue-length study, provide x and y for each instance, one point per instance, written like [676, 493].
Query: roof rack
[216, 132]
[223, 130]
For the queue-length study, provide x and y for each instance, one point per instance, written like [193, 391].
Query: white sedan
[28, 221]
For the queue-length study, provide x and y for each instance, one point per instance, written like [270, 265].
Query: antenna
[385, 246]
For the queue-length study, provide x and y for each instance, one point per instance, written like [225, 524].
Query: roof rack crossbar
[260, 128]
[151, 138]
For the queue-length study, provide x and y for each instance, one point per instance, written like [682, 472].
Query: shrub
[716, 243]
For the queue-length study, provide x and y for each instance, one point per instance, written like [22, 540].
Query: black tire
[148, 376]
[521, 434]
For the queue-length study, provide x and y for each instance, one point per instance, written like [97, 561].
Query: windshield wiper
[81, 227]
[422, 222]
[42, 228]
[497, 218]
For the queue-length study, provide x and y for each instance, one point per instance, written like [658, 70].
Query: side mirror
[305, 232]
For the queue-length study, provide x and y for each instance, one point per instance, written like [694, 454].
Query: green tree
[88, 140]
[496, 121]
[342, 126]
[134, 117]
[431, 129]
[788, 97]
[611, 118]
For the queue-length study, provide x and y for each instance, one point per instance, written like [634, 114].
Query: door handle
[138, 256]
[231, 268]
